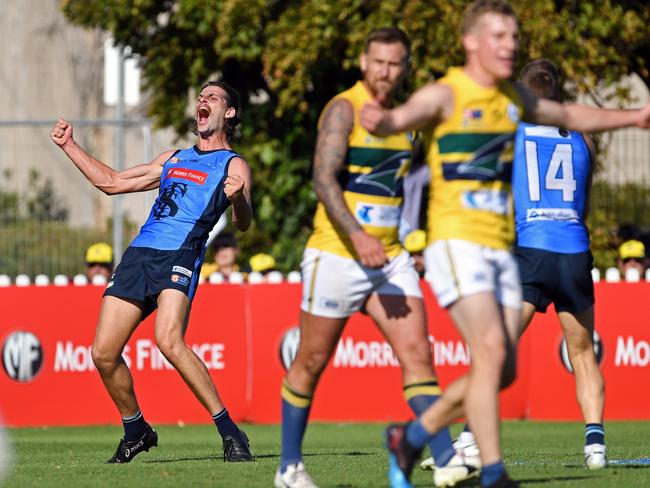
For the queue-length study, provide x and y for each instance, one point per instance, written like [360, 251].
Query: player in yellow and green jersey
[469, 119]
[354, 259]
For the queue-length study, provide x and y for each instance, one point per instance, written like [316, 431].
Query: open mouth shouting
[202, 114]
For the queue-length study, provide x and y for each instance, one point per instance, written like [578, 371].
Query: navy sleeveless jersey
[190, 200]
[549, 180]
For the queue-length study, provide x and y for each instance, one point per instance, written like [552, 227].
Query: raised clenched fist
[61, 133]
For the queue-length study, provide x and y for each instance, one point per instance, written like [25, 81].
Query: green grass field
[337, 456]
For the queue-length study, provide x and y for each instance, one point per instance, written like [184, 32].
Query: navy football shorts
[562, 279]
[144, 272]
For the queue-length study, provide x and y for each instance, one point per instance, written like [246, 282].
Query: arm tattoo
[329, 157]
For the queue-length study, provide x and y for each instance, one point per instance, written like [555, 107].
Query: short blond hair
[480, 7]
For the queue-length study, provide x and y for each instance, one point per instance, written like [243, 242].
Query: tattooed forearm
[329, 157]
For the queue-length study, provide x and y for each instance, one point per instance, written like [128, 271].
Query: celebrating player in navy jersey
[551, 184]
[160, 269]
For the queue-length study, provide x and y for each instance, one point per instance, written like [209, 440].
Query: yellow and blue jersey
[371, 179]
[470, 155]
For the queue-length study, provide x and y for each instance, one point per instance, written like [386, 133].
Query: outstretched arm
[329, 158]
[427, 106]
[237, 188]
[582, 118]
[138, 178]
[590, 178]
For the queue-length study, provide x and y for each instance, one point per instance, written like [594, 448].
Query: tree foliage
[288, 57]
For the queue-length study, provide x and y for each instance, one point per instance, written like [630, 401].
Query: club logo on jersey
[187, 174]
[166, 205]
[289, 346]
[385, 175]
[22, 356]
[174, 160]
[492, 161]
[599, 351]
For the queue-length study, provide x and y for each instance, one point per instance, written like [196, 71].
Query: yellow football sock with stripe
[295, 413]
[420, 396]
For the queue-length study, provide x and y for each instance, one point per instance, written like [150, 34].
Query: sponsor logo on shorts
[331, 303]
[181, 280]
[599, 350]
[180, 269]
[377, 215]
[553, 214]
[480, 277]
[491, 200]
[22, 356]
[187, 174]
[289, 346]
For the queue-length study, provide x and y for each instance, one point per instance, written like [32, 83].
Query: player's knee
[313, 363]
[491, 349]
[170, 348]
[102, 359]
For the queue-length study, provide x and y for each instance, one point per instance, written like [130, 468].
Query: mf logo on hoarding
[289, 346]
[598, 350]
[22, 356]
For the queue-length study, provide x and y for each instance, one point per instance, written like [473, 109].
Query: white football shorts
[336, 287]
[456, 268]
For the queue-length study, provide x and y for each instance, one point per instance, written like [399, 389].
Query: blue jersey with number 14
[549, 180]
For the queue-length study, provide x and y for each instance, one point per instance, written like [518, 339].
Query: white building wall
[50, 69]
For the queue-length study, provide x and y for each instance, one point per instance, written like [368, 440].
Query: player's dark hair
[232, 100]
[542, 78]
[389, 35]
[629, 232]
[480, 7]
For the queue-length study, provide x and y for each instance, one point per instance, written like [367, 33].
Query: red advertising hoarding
[247, 334]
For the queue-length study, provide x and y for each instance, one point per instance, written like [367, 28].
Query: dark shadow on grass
[550, 479]
[257, 456]
[338, 453]
[181, 459]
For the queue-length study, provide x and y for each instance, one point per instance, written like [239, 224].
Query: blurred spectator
[631, 254]
[414, 243]
[226, 253]
[99, 261]
[262, 263]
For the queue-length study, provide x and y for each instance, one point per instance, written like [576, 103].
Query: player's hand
[371, 117]
[370, 250]
[233, 187]
[644, 117]
[61, 133]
